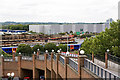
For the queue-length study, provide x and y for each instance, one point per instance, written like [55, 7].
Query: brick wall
[54, 66]
[87, 74]
[61, 70]
[10, 67]
[49, 64]
[40, 64]
[26, 64]
[71, 73]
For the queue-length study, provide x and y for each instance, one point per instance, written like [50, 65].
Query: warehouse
[76, 27]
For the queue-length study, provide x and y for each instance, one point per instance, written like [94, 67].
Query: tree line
[16, 27]
[109, 39]
[27, 50]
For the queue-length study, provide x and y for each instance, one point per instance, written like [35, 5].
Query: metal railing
[40, 57]
[72, 55]
[73, 64]
[61, 59]
[41, 53]
[8, 58]
[26, 58]
[49, 57]
[100, 71]
[54, 57]
[114, 59]
[89, 56]
[99, 57]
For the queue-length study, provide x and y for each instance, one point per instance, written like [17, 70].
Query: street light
[8, 74]
[52, 50]
[19, 53]
[11, 75]
[38, 49]
[67, 52]
[58, 51]
[1, 55]
[82, 52]
[46, 51]
[34, 52]
[108, 50]
[67, 42]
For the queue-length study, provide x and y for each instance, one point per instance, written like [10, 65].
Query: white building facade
[119, 10]
[60, 28]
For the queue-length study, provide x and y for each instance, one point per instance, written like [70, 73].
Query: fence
[72, 55]
[54, 57]
[73, 64]
[61, 59]
[40, 57]
[8, 58]
[99, 71]
[26, 58]
[99, 57]
[49, 57]
[89, 56]
[114, 59]
[41, 53]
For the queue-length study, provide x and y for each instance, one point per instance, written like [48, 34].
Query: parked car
[42, 78]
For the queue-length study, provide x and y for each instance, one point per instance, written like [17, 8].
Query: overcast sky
[58, 10]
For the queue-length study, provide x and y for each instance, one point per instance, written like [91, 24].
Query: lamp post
[106, 58]
[82, 52]
[46, 51]
[19, 53]
[1, 55]
[13, 55]
[108, 50]
[58, 51]
[38, 51]
[67, 42]
[79, 52]
[11, 75]
[52, 51]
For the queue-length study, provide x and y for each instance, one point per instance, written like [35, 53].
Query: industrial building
[75, 27]
[119, 10]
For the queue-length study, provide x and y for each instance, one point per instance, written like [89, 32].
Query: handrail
[49, 57]
[73, 64]
[54, 57]
[114, 58]
[96, 69]
[61, 59]
[26, 58]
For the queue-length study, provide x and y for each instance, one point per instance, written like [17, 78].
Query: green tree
[50, 47]
[24, 49]
[105, 40]
[40, 47]
[61, 33]
[71, 32]
[63, 47]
